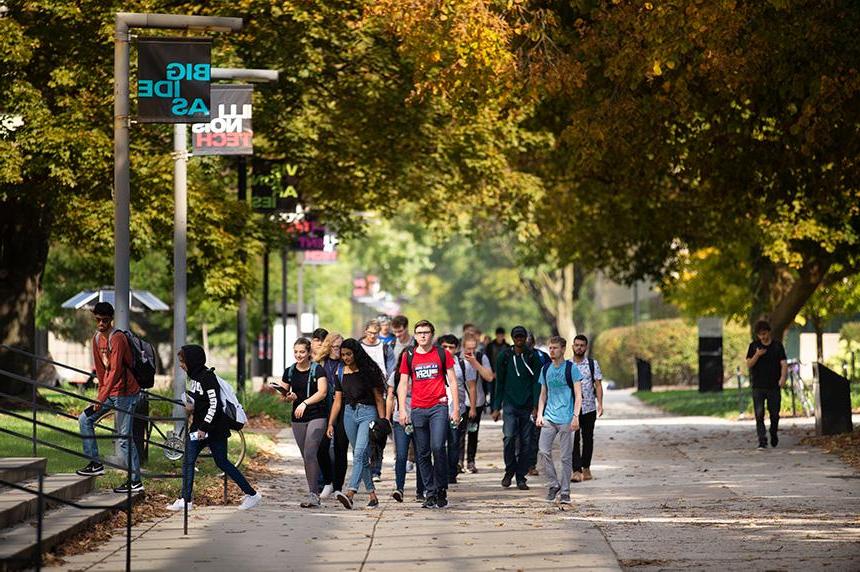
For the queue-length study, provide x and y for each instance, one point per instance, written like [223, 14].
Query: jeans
[472, 438]
[218, 447]
[356, 422]
[534, 445]
[431, 431]
[334, 474]
[586, 431]
[309, 435]
[124, 425]
[455, 438]
[547, 437]
[517, 429]
[401, 446]
[774, 401]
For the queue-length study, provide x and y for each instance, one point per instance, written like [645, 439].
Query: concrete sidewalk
[669, 493]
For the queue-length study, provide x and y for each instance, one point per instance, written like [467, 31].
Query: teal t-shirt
[559, 397]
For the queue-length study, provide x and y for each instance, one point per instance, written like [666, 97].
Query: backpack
[233, 411]
[568, 374]
[142, 358]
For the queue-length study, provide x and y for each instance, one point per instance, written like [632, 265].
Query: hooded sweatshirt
[517, 380]
[204, 389]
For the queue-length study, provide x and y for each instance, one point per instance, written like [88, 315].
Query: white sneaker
[250, 501]
[410, 466]
[326, 492]
[377, 479]
[179, 505]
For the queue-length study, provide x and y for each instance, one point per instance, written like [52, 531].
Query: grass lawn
[724, 404]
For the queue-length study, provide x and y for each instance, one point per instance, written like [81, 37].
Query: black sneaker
[344, 500]
[397, 495]
[762, 445]
[373, 503]
[442, 499]
[506, 480]
[420, 497]
[91, 470]
[774, 440]
[452, 480]
[430, 502]
[136, 486]
[523, 486]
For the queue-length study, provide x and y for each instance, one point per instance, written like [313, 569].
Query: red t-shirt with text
[428, 378]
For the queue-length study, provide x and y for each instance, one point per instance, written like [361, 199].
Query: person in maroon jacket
[118, 389]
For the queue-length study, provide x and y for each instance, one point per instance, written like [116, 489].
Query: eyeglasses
[425, 333]
[448, 347]
[107, 320]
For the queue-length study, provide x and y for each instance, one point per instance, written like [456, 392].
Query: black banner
[173, 80]
[274, 186]
[229, 132]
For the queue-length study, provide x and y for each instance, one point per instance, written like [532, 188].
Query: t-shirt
[559, 397]
[768, 369]
[472, 373]
[589, 399]
[428, 379]
[303, 390]
[377, 353]
[355, 390]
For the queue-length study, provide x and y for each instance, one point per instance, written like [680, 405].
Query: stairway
[18, 509]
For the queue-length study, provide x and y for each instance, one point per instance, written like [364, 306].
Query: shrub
[672, 348]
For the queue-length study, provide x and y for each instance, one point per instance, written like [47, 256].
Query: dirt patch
[846, 446]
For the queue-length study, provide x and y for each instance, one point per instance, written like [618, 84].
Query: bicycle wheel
[236, 448]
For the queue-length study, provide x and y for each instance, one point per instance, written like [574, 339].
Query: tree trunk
[818, 324]
[24, 235]
[553, 292]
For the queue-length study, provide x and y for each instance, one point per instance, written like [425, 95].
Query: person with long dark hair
[333, 466]
[359, 393]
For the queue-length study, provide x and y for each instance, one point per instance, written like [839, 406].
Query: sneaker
[420, 497]
[576, 477]
[179, 505]
[410, 466]
[373, 503]
[442, 498]
[250, 501]
[430, 502]
[460, 468]
[344, 500]
[552, 493]
[523, 486]
[471, 468]
[397, 495]
[377, 478]
[452, 480]
[762, 445]
[136, 486]
[91, 470]
[774, 440]
[586, 475]
[327, 491]
[312, 502]
[506, 480]
[533, 472]
[565, 498]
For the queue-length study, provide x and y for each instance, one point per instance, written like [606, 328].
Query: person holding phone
[768, 369]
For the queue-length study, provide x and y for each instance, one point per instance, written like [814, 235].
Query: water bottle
[472, 427]
[454, 424]
[409, 428]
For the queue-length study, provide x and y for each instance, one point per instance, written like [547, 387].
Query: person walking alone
[768, 367]
[592, 408]
[558, 414]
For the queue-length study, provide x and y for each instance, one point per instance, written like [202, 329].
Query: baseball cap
[519, 331]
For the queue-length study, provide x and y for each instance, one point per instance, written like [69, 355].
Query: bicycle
[173, 446]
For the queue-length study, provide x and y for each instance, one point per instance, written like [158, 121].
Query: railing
[113, 434]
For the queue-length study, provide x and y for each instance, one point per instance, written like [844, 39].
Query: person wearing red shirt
[425, 371]
[118, 389]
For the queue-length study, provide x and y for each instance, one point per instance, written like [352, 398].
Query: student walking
[543, 359]
[332, 454]
[208, 429]
[768, 367]
[383, 354]
[118, 390]
[475, 360]
[558, 415]
[307, 388]
[516, 396]
[456, 433]
[425, 370]
[359, 393]
[592, 408]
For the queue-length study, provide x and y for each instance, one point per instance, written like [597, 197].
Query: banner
[173, 79]
[274, 186]
[229, 132]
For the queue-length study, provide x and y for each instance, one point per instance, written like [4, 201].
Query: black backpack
[142, 358]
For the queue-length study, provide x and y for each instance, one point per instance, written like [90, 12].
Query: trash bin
[643, 375]
[832, 402]
[139, 429]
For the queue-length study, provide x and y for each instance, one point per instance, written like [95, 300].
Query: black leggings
[472, 438]
[586, 429]
[334, 475]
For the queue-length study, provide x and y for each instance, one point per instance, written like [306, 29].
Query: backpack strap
[568, 374]
[545, 369]
[591, 370]
[339, 372]
[440, 351]
[462, 367]
[290, 371]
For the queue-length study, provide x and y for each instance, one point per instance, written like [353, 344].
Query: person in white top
[383, 355]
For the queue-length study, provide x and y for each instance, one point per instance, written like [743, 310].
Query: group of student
[430, 393]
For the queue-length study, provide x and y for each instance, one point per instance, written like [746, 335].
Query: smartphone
[279, 388]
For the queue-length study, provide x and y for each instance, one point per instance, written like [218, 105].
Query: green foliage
[269, 403]
[672, 348]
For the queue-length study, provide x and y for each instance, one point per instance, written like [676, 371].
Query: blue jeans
[356, 422]
[218, 447]
[455, 438]
[517, 430]
[401, 444]
[431, 432]
[124, 425]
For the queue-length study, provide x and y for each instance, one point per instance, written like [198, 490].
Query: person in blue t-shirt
[558, 414]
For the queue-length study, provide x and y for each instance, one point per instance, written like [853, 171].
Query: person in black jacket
[208, 428]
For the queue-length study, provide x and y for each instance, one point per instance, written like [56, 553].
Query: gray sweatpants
[308, 436]
[547, 437]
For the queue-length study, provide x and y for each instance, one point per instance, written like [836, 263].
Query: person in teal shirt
[558, 414]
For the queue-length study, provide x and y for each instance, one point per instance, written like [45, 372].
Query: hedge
[672, 348]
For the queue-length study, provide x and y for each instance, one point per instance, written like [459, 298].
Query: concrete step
[17, 506]
[17, 469]
[18, 544]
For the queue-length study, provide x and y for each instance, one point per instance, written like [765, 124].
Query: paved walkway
[669, 493]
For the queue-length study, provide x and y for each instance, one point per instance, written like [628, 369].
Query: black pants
[586, 433]
[774, 401]
[334, 474]
[472, 438]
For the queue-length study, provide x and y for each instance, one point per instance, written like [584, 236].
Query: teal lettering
[200, 72]
[164, 88]
[180, 106]
[198, 106]
[144, 88]
[175, 70]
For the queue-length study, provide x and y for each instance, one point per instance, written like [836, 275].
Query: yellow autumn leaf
[657, 70]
